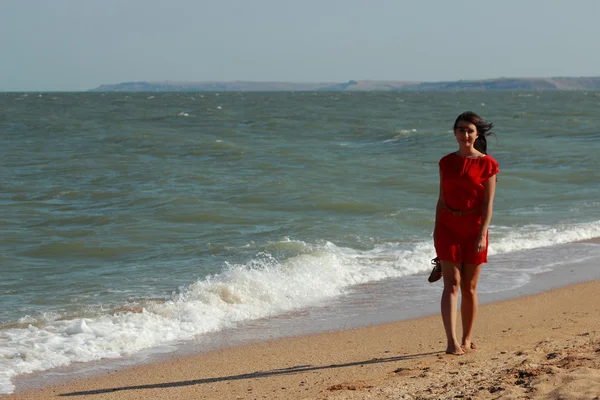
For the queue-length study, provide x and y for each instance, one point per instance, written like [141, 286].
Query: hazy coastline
[553, 83]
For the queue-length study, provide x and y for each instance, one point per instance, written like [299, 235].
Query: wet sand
[545, 346]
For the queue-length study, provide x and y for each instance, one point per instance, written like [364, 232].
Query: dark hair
[483, 129]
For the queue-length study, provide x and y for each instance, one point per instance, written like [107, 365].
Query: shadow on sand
[261, 374]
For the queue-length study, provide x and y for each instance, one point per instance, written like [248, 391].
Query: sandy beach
[545, 346]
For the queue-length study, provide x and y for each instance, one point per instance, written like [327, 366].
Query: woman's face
[465, 133]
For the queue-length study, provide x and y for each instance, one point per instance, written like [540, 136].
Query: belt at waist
[461, 213]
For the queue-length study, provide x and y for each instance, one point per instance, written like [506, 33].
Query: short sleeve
[492, 168]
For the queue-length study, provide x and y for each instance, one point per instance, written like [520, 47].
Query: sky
[72, 45]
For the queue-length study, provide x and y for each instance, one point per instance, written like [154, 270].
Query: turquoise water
[209, 209]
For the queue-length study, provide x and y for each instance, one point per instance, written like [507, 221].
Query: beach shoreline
[375, 303]
[527, 346]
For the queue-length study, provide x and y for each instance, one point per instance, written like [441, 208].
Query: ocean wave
[401, 134]
[263, 287]
[505, 239]
[286, 275]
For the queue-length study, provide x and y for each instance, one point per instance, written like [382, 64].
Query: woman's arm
[438, 207]
[486, 211]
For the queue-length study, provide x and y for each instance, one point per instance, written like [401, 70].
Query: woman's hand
[481, 243]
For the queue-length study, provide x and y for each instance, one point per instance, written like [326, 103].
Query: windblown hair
[483, 129]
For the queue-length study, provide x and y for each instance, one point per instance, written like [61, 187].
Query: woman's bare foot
[468, 346]
[455, 350]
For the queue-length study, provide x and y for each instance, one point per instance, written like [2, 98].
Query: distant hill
[556, 83]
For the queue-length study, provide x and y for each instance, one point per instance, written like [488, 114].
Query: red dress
[462, 184]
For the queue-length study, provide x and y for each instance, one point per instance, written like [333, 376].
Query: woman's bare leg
[469, 304]
[451, 273]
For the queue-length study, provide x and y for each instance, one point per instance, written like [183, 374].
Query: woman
[462, 218]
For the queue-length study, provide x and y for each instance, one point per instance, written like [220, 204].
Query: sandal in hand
[436, 272]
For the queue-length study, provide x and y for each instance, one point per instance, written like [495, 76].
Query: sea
[135, 225]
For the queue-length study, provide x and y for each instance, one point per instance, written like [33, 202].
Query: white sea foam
[400, 134]
[506, 239]
[263, 287]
